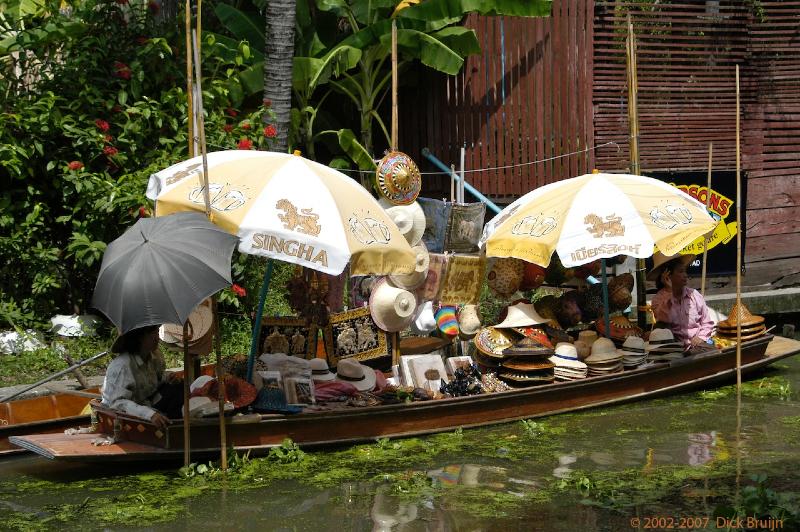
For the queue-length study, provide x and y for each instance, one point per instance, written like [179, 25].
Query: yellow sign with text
[721, 207]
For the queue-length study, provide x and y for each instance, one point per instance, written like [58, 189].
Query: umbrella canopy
[596, 216]
[160, 269]
[288, 208]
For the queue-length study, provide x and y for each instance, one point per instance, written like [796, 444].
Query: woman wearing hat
[678, 306]
[135, 382]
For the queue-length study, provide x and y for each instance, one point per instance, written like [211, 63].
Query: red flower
[245, 125]
[116, 108]
[267, 103]
[101, 124]
[143, 212]
[121, 70]
[231, 111]
[227, 128]
[110, 151]
[238, 290]
[245, 144]
[108, 138]
[270, 131]
[75, 165]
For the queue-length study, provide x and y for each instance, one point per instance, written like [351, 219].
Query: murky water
[674, 463]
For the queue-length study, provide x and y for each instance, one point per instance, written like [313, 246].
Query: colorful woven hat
[528, 347]
[447, 321]
[537, 333]
[398, 179]
[492, 342]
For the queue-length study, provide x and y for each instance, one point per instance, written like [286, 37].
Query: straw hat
[567, 357]
[588, 337]
[537, 333]
[583, 349]
[740, 315]
[528, 347]
[603, 350]
[521, 315]
[492, 342]
[659, 260]
[621, 328]
[392, 308]
[320, 370]
[352, 372]
[633, 346]
[424, 321]
[469, 323]
[416, 278]
[447, 321]
[397, 178]
[662, 340]
[410, 220]
[523, 364]
[200, 321]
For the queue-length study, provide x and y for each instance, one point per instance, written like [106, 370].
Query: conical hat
[528, 347]
[392, 308]
[739, 314]
[521, 315]
[397, 178]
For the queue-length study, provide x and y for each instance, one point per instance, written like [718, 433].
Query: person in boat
[677, 306]
[135, 381]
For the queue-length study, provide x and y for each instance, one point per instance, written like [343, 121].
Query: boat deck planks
[353, 425]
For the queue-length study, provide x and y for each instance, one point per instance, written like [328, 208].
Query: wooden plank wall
[687, 54]
[527, 98]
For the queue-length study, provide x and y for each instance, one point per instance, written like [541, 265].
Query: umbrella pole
[606, 319]
[186, 362]
[633, 120]
[262, 297]
[223, 439]
[705, 238]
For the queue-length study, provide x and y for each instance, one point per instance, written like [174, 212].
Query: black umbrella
[160, 269]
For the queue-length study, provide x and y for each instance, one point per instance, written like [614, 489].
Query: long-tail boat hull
[140, 440]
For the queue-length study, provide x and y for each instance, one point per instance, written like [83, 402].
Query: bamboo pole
[223, 437]
[189, 83]
[708, 203]
[394, 85]
[738, 295]
[186, 434]
[633, 120]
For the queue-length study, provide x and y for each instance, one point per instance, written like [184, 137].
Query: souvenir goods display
[416, 345]
[604, 358]
[568, 308]
[299, 390]
[320, 370]
[462, 280]
[464, 227]
[583, 349]
[238, 391]
[619, 292]
[360, 288]
[410, 220]
[492, 342]
[392, 308]
[521, 315]
[397, 178]
[353, 334]
[537, 333]
[621, 328]
[633, 352]
[527, 363]
[505, 276]
[567, 365]
[437, 214]
[588, 337]
[429, 372]
[466, 381]
[199, 331]
[351, 371]
[532, 277]
[288, 335]
[453, 363]
[446, 321]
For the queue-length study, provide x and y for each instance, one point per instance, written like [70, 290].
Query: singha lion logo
[598, 228]
[306, 222]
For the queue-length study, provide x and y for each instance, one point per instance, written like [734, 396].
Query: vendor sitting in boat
[677, 306]
[135, 382]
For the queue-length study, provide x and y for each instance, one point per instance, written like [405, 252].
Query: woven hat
[505, 276]
[492, 342]
[527, 364]
[410, 220]
[200, 321]
[740, 315]
[320, 370]
[392, 309]
[545, 376]
[447, 321]
[237, 391]
[603, 350]
[621, 328]
[537, 333]
[583, 349]
[469, 323]
[588, 337]
[634, 346]
[352, 372]
[415, 279]
[424, 320]
[528, 347]
[659, 260]
[521, 315]
[566, 356]
[397, 178]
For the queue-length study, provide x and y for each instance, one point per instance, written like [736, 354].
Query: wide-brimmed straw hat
[410, 220]
[566, 356]
[521, 315]
[659, 260]
[392, 309]
[200, 321]
[320, 370]
[662, 339]
[493, 342]
[355, 373]
[603, 351]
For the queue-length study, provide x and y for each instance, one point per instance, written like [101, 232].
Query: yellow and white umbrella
[596, 216]
[288, 208]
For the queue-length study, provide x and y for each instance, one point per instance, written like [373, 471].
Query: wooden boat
[48, 413]
[140, 440]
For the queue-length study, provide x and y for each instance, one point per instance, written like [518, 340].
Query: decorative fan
[398, 179]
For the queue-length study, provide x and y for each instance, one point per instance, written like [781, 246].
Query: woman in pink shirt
[678, 306]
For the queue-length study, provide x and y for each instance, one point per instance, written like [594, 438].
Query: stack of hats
[752, 326]
[584, 343]
[490, 343]
[662, 346]
[567, 365]
[634, 352]
[604, 358]
[527, 363]
[621, 328]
